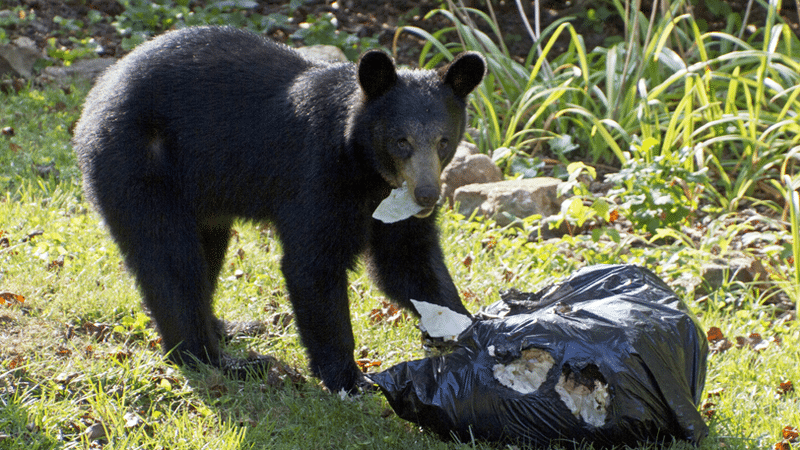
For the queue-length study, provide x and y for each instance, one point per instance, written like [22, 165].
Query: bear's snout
[426, 196]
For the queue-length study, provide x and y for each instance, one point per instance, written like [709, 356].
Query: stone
[19, 57]
[736, 268]
[323, 52]
[506, 201]
[468, 167]
[88, 69]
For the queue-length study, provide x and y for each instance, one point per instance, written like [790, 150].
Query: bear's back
[227, 97]
[195, 65]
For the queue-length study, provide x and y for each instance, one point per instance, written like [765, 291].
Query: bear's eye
[404, 148]
[443, 145]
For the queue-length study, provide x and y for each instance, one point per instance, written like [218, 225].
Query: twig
[534, 35]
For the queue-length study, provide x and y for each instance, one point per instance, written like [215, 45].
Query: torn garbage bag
[610, 356]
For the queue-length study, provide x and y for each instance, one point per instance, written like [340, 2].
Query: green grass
[58, 378]
[78, 352]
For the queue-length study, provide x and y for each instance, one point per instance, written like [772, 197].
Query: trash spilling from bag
[611, 356]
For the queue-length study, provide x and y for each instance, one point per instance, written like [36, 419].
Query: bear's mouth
[424, 213]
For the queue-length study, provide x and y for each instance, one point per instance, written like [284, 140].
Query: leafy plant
[789, 185]
[14, 17]
[142, 19]
[583, 207]
[323, 30]
[81, 48]
[658, 190]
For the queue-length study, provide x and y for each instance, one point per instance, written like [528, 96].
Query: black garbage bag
[610, 356]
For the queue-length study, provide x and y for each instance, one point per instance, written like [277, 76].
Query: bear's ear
[376, 73]
[464, 73]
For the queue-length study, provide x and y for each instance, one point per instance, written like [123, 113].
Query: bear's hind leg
[214, 238]
[162, 248]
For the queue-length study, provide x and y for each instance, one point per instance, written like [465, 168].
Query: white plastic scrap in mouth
[527, 373]
[399, 205]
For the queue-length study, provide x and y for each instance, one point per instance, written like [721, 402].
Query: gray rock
[323, 52]
[506, 201]
[737, 267]
[18, 58]
[88, 69]
[468, 167]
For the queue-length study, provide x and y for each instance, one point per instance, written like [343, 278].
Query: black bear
[202, 125]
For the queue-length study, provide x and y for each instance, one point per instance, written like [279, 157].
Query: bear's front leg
[317, 285]
[407, 262]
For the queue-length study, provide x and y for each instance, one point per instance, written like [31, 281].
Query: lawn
[80, 364]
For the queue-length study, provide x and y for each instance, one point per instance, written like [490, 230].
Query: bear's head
[411, 121]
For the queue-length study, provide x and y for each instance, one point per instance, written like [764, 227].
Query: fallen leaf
[469, 296]
[716, 392]
[119, 354]
[468, 261]
[720, 346]
[782, 445]
[282, 320]
[791, 433]
[508, 276]
[16, 361]
[715, 334]
[97, 330]
[11, 299]
[366, 363]
[708, 409]
[754, 342]
[32, 235]
[388, 313]
[56, 263]
[785, 387]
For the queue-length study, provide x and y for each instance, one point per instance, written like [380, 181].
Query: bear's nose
[426, 196]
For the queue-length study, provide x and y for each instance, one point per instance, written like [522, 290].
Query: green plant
[793, 200]
[14, 17]
[81, 48]
[74, 27]
[323, 30]
[142, 19]
[788, 186]
[583, 208]
[658, 190]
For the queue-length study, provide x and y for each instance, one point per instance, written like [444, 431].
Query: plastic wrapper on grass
[610, 356]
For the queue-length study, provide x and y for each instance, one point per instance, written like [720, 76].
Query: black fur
[202, 125]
